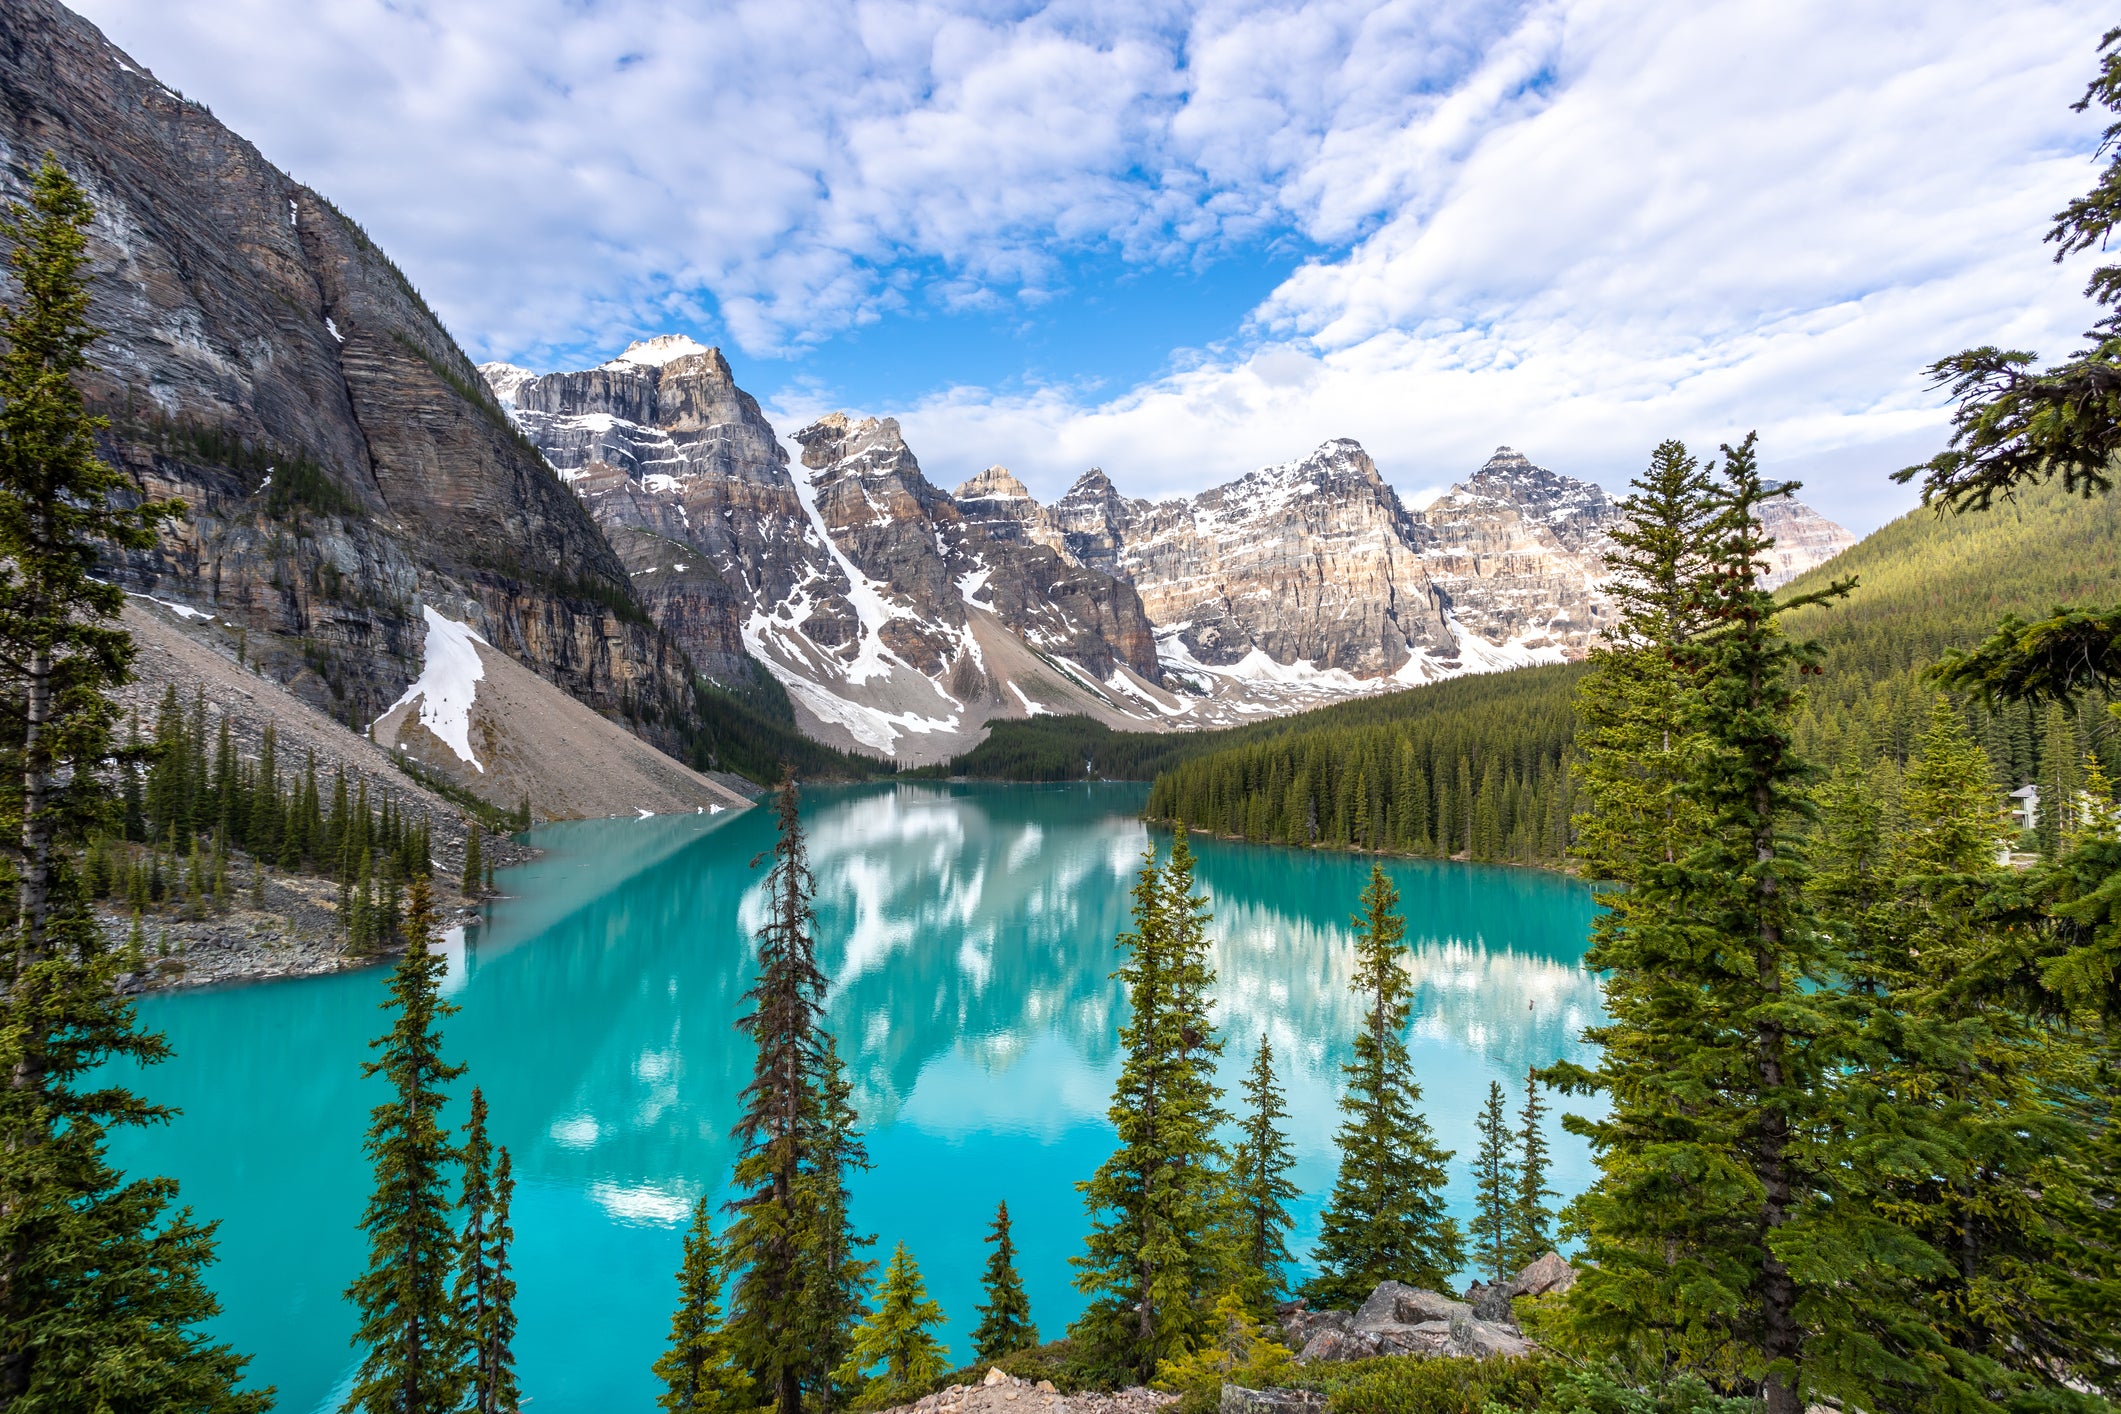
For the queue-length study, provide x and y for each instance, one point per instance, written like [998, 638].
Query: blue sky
[1183, 240]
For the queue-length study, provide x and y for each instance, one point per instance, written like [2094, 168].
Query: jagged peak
[839, 437]
[506, 379]
[996, 483]
[660, 350]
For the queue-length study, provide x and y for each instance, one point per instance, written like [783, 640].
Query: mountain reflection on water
[968, 933]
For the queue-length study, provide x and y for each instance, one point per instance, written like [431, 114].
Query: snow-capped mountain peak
[655, 352]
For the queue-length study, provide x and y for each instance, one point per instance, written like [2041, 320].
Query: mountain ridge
[879, 601]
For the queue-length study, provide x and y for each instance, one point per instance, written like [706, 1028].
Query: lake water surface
[968, 932]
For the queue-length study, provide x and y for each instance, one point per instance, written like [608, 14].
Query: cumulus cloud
[1575, 225]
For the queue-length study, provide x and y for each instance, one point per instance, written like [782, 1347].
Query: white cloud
[1710, 219]
[1575, 225]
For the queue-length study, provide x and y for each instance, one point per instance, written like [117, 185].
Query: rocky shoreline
[296, 934]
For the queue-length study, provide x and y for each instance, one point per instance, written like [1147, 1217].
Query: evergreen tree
[1494, 1189]
[835, 1280]
[1005, 1319]
[484, 1292]
[1150, 1265]
[101, 1276]
[1387, 1219]
[1530, 1233]
[699, 1372]
[1952, 1071]
[900, 1336]
[409, 1334]
[1260, 1186]
[1631, 734]
[792, 1273]
[474, 879]
[1714, 1159]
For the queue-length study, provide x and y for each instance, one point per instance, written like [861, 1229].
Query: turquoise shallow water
[968, 932]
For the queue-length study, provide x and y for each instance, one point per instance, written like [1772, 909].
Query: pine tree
[1631, 735]
[699, 1372]
[1005, 1319]
[484, 1292]
[900, 1336]
[1530, 1233]
[1150, 1265]
[1386, 1220]
[474, 867]
[1260, 1186]
[1494, 1188]
[768, 1247]
[409, 1334]
[101, 1276]
[1713, 1157]
[834, 1280]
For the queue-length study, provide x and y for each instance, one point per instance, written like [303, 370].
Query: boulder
[1396, 1303]
[1239, 1400]
[1549, 1274]
[1331, 1344]
[1299, 1325]
[1485, 1340]
[1491, 1302]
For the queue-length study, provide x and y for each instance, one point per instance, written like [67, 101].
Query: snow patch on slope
[447, 684]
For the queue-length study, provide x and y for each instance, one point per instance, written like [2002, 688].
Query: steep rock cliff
[340, 457]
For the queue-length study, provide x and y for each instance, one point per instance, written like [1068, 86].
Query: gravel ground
[1005, 1394]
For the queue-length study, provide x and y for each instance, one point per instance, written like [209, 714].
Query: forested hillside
[1476, 767]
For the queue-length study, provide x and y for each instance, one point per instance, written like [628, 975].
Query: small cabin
[2023, 808]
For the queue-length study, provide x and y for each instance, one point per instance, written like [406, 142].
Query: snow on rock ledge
[447, 685]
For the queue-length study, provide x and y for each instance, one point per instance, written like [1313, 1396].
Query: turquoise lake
[968, 932]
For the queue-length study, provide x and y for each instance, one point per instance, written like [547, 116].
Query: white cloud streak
[1575, 225]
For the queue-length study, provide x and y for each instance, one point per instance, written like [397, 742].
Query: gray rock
[1491, 1302]
[1239, 1400]
[1397, 1302]
[1332, 1344]
[1549, 1274]
[1299, 1325]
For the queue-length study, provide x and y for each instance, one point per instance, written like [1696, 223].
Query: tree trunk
[36, 829]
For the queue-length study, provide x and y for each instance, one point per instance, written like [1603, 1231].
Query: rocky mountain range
[901, 618]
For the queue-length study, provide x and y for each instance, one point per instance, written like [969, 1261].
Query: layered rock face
[1311, 562]
[1518, 551]
[898, 617]
[341, 459]
[685, 474]
[1312, 578]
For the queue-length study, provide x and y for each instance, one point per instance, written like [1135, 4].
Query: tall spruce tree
[1152, 1263]
[410, 1334]
[1387, 1219]
[790, 1244]
[1260, 1186]
[1632, 734]
[1005, 1324]
[484, 1291]
[699, 1371]
[1531, 1224]
[899, 1336]
[1714, 1166]
[101, 1277]
[1494, 1188]
[835, 1279]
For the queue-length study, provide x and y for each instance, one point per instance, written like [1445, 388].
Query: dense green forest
[1476, 766]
